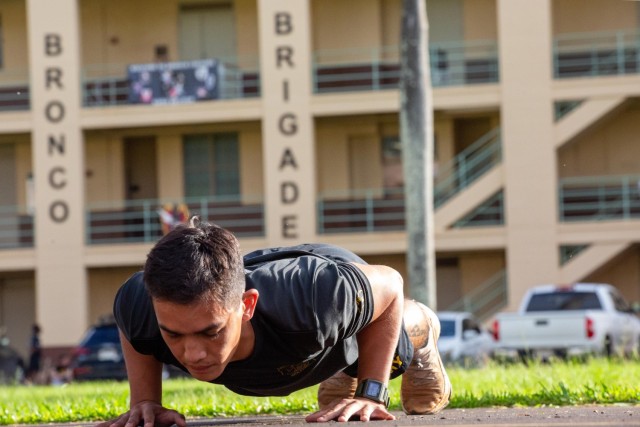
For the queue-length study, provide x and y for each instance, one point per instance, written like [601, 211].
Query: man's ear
[249, 302]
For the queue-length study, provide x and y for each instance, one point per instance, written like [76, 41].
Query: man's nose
[193, 351]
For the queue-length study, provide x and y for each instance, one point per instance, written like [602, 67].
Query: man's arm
[376, 342]
[145, 384]
[144, 373]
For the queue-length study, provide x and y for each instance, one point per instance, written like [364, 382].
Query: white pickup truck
[585, 318]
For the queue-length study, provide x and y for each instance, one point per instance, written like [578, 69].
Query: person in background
[35, 355]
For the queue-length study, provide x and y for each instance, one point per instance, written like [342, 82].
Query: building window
[211, 165]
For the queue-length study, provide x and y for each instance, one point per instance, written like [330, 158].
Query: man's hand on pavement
[151, 413]
[342, 410]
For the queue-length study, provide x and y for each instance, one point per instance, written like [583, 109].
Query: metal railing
[356, 211]
[568, 252]
[598, 198]
[108, 84]
[486, 299]
[136, 221]
[379, 210]
[596, 53]
[466, 167]
[562, 108]
[378, 68]
[489, 213]
[14, 90]
[16, 227]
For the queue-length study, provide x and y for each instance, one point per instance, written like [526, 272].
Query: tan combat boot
[339, 386]
[426, 388]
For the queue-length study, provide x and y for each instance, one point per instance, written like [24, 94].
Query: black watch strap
[373, 390]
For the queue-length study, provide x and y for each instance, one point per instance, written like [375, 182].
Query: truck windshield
[564, 301]
[447, 328]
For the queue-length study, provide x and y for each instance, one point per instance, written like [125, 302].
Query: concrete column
[287, 124]
[524, 29]
[58, 164]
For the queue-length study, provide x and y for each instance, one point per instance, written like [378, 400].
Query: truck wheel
[525, 356]
[608, 346]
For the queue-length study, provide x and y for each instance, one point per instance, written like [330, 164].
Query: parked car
[575, 320]
[11, 364]
[463, 340]
[99, 355]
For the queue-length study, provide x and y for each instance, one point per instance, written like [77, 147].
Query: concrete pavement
[566, 416]
[587, 416]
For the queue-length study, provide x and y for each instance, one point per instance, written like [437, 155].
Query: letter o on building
[59, 211]
[54, 111]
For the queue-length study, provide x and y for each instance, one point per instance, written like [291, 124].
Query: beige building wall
[104, 167]
[287, 123]
[444, 141]
[477, 268]
[623, 272]
[528, 150]
[577, 16]
[391, 18]
[58, 164]
[349, 153]
[23, 167]
[251, 171]
[14, 48]
[335, 153]
[170, 165]
[610, 148]
[106, 170]
[449, 25]
[103, 286]
[17, 311]
[480, 20]
[448, 281]
[359, 18]
[116, 33]
[247, 38]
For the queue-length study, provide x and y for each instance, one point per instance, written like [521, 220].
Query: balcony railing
[16, 227]
[562, 108]
[451, 64]
[137, 221]
[489, 213]
[470, 164]
[379, 210]
[568, 252]
[370, 211]
[599, 198]
[108, 84]
[486, 299]
[596, 54]
[14, 90]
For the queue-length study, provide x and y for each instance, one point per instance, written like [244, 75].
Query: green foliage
[597, 381]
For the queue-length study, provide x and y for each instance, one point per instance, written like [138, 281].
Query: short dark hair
[196, 262]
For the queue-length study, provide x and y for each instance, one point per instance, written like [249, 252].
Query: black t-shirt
[312, 303]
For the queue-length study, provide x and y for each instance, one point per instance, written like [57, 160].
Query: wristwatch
[373, 390]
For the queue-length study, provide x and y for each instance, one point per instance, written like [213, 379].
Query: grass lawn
[599, 381]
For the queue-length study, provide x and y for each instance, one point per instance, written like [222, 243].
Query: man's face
[203, 337]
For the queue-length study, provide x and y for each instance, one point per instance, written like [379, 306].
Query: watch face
[373, 389]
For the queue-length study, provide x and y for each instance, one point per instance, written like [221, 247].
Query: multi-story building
[280, 120]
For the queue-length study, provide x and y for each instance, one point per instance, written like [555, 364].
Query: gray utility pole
[416, 133]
